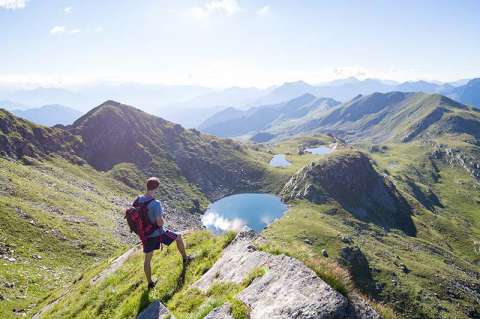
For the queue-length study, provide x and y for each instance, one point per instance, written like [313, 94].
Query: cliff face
[349, 179]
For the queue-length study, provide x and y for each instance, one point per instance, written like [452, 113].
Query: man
[159, 236]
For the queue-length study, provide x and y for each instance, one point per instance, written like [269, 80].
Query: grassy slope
[443, 249]
[123, 294]
[63, 213]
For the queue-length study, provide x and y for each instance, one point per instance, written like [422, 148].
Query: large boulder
[287, 289]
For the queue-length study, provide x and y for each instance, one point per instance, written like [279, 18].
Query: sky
[221, 43]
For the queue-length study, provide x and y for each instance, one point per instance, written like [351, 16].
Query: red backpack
[138, 221]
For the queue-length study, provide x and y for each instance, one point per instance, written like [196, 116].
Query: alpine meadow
[219, 159]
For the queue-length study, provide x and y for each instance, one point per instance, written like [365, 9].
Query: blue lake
[321, 150]
[234, 212]
[279, 160]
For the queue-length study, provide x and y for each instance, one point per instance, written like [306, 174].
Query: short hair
[152, 183]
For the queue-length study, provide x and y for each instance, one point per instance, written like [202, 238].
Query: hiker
[153, 234]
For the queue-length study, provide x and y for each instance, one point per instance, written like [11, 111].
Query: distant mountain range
[49, 115]
[379, 117]
[191, 105]
[232, 122]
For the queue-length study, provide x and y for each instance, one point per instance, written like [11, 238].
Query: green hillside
[56, 219]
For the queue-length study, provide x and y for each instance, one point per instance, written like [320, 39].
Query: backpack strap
[137, 203]
[147, 202]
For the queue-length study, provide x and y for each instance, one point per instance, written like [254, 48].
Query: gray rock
[237, 262]
[9, 285]
[308, 241]
[288, 289]
[156, 310]
[222, 312]
[291, 290]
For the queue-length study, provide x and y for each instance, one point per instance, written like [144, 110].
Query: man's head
[152, 184]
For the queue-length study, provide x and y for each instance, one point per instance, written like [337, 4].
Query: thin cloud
[67, 10]
[98, 29]
[60, 30]
[264, 11]
[13, 4]
[220, 7]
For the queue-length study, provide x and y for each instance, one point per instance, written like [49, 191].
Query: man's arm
[160, 221]
[159, 214]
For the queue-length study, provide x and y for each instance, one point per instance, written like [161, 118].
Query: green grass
[57, 219]
[193, 303]
[124, 293]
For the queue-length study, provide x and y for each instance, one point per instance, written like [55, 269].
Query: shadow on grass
[145, 299]
[143, 302]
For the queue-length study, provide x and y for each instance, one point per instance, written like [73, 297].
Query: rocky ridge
[287, 289]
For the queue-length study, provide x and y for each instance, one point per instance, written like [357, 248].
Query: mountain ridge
[379, 117]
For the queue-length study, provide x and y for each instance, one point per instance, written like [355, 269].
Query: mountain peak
[112, 111]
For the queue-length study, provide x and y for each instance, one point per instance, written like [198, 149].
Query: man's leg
[181, 246]
[147, 267]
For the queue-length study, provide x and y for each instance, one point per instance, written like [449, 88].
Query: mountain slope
[115, 133]
[378, 117]
[49, 115]
[263, 117]
[56, 219]
[20, 138]
[395, 116]
[468, 94]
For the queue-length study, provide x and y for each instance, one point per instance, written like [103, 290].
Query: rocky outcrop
[349, 178]
[222, 312]
[458, 157]
[156, 310]
[287, 289]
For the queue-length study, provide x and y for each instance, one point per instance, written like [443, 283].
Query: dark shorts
[166, 238]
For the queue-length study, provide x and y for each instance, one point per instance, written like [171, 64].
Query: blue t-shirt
[155, 210]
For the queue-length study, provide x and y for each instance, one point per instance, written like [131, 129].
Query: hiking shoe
[151, 285]
[187, 259]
